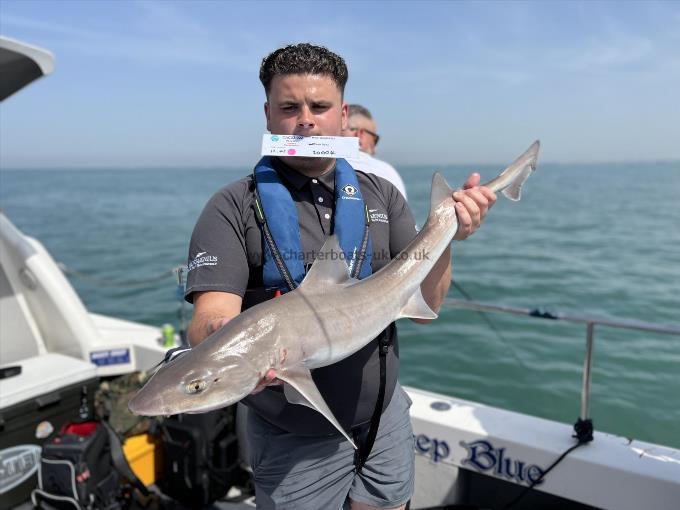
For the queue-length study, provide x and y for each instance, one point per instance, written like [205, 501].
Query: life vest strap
[364, 246]
[271, 243]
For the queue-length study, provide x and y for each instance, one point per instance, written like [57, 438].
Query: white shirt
[367, 163]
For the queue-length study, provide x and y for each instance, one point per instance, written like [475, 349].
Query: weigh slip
[327, 318]
[310, 146]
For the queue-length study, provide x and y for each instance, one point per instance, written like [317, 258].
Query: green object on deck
[168, 331]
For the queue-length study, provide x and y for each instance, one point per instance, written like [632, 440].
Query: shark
[327, 318]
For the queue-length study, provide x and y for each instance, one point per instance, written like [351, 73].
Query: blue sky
[158, 83]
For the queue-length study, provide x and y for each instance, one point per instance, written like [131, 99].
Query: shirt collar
[298, 180]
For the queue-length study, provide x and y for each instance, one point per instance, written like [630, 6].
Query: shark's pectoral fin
[300, 389]
[295, 397]
[417, 308]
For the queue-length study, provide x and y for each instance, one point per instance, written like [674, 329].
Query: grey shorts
[313, 473]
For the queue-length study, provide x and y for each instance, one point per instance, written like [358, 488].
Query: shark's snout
[143, 405]
[193, 386]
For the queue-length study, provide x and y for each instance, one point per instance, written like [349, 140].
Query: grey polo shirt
[225, 255]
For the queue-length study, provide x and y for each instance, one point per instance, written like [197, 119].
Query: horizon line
[216, 166]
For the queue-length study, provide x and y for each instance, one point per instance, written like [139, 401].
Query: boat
[54, 353]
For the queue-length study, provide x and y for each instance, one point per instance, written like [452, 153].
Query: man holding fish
[255, 241]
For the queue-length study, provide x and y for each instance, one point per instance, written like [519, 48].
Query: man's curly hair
[303, 58]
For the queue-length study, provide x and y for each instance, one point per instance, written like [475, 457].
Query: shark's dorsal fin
[301, 389]
[440, 191]
[417, 308]
[329, 268]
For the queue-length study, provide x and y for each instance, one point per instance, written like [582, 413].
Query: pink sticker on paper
[291, 152]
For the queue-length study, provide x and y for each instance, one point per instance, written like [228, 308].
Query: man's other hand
[472, 204]
[269, 379]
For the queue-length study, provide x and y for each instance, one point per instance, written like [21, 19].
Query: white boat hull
[610, 472]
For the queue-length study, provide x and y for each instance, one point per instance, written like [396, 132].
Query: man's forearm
[472, 204]
[211, 311]
[436, 284]
[199, 329]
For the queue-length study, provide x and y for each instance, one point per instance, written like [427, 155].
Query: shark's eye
[195, 386]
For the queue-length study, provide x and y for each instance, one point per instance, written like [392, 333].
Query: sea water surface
[601, 240]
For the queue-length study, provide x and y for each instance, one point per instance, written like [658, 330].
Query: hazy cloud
[604, 54]
[161, 34]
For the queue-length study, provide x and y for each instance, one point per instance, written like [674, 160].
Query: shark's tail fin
[440, 191]
[510, 181]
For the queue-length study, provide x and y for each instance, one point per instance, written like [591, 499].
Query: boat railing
[590, 323]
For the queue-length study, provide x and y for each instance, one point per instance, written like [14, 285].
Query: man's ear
[266, 114]
[345, 116]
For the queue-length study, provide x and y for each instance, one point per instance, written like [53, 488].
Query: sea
[600, 240]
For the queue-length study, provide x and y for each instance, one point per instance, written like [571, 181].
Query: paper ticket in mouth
[310, 146]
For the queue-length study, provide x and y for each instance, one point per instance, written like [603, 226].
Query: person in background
[362, 125]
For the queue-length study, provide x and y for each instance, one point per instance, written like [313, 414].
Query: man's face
[305, 104]
[365, 129]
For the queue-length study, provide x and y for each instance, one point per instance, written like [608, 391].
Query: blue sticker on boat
[110, 357]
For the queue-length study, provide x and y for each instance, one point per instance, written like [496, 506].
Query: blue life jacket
[283, 265]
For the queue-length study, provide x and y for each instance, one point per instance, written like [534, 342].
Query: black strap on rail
[364, 447]
[583, 433]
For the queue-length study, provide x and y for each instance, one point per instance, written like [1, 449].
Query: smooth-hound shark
[326, 319]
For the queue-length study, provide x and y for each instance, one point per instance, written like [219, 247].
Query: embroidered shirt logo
[377, 216]
[202, 259]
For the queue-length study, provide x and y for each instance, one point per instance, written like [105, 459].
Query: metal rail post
[587, 367]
